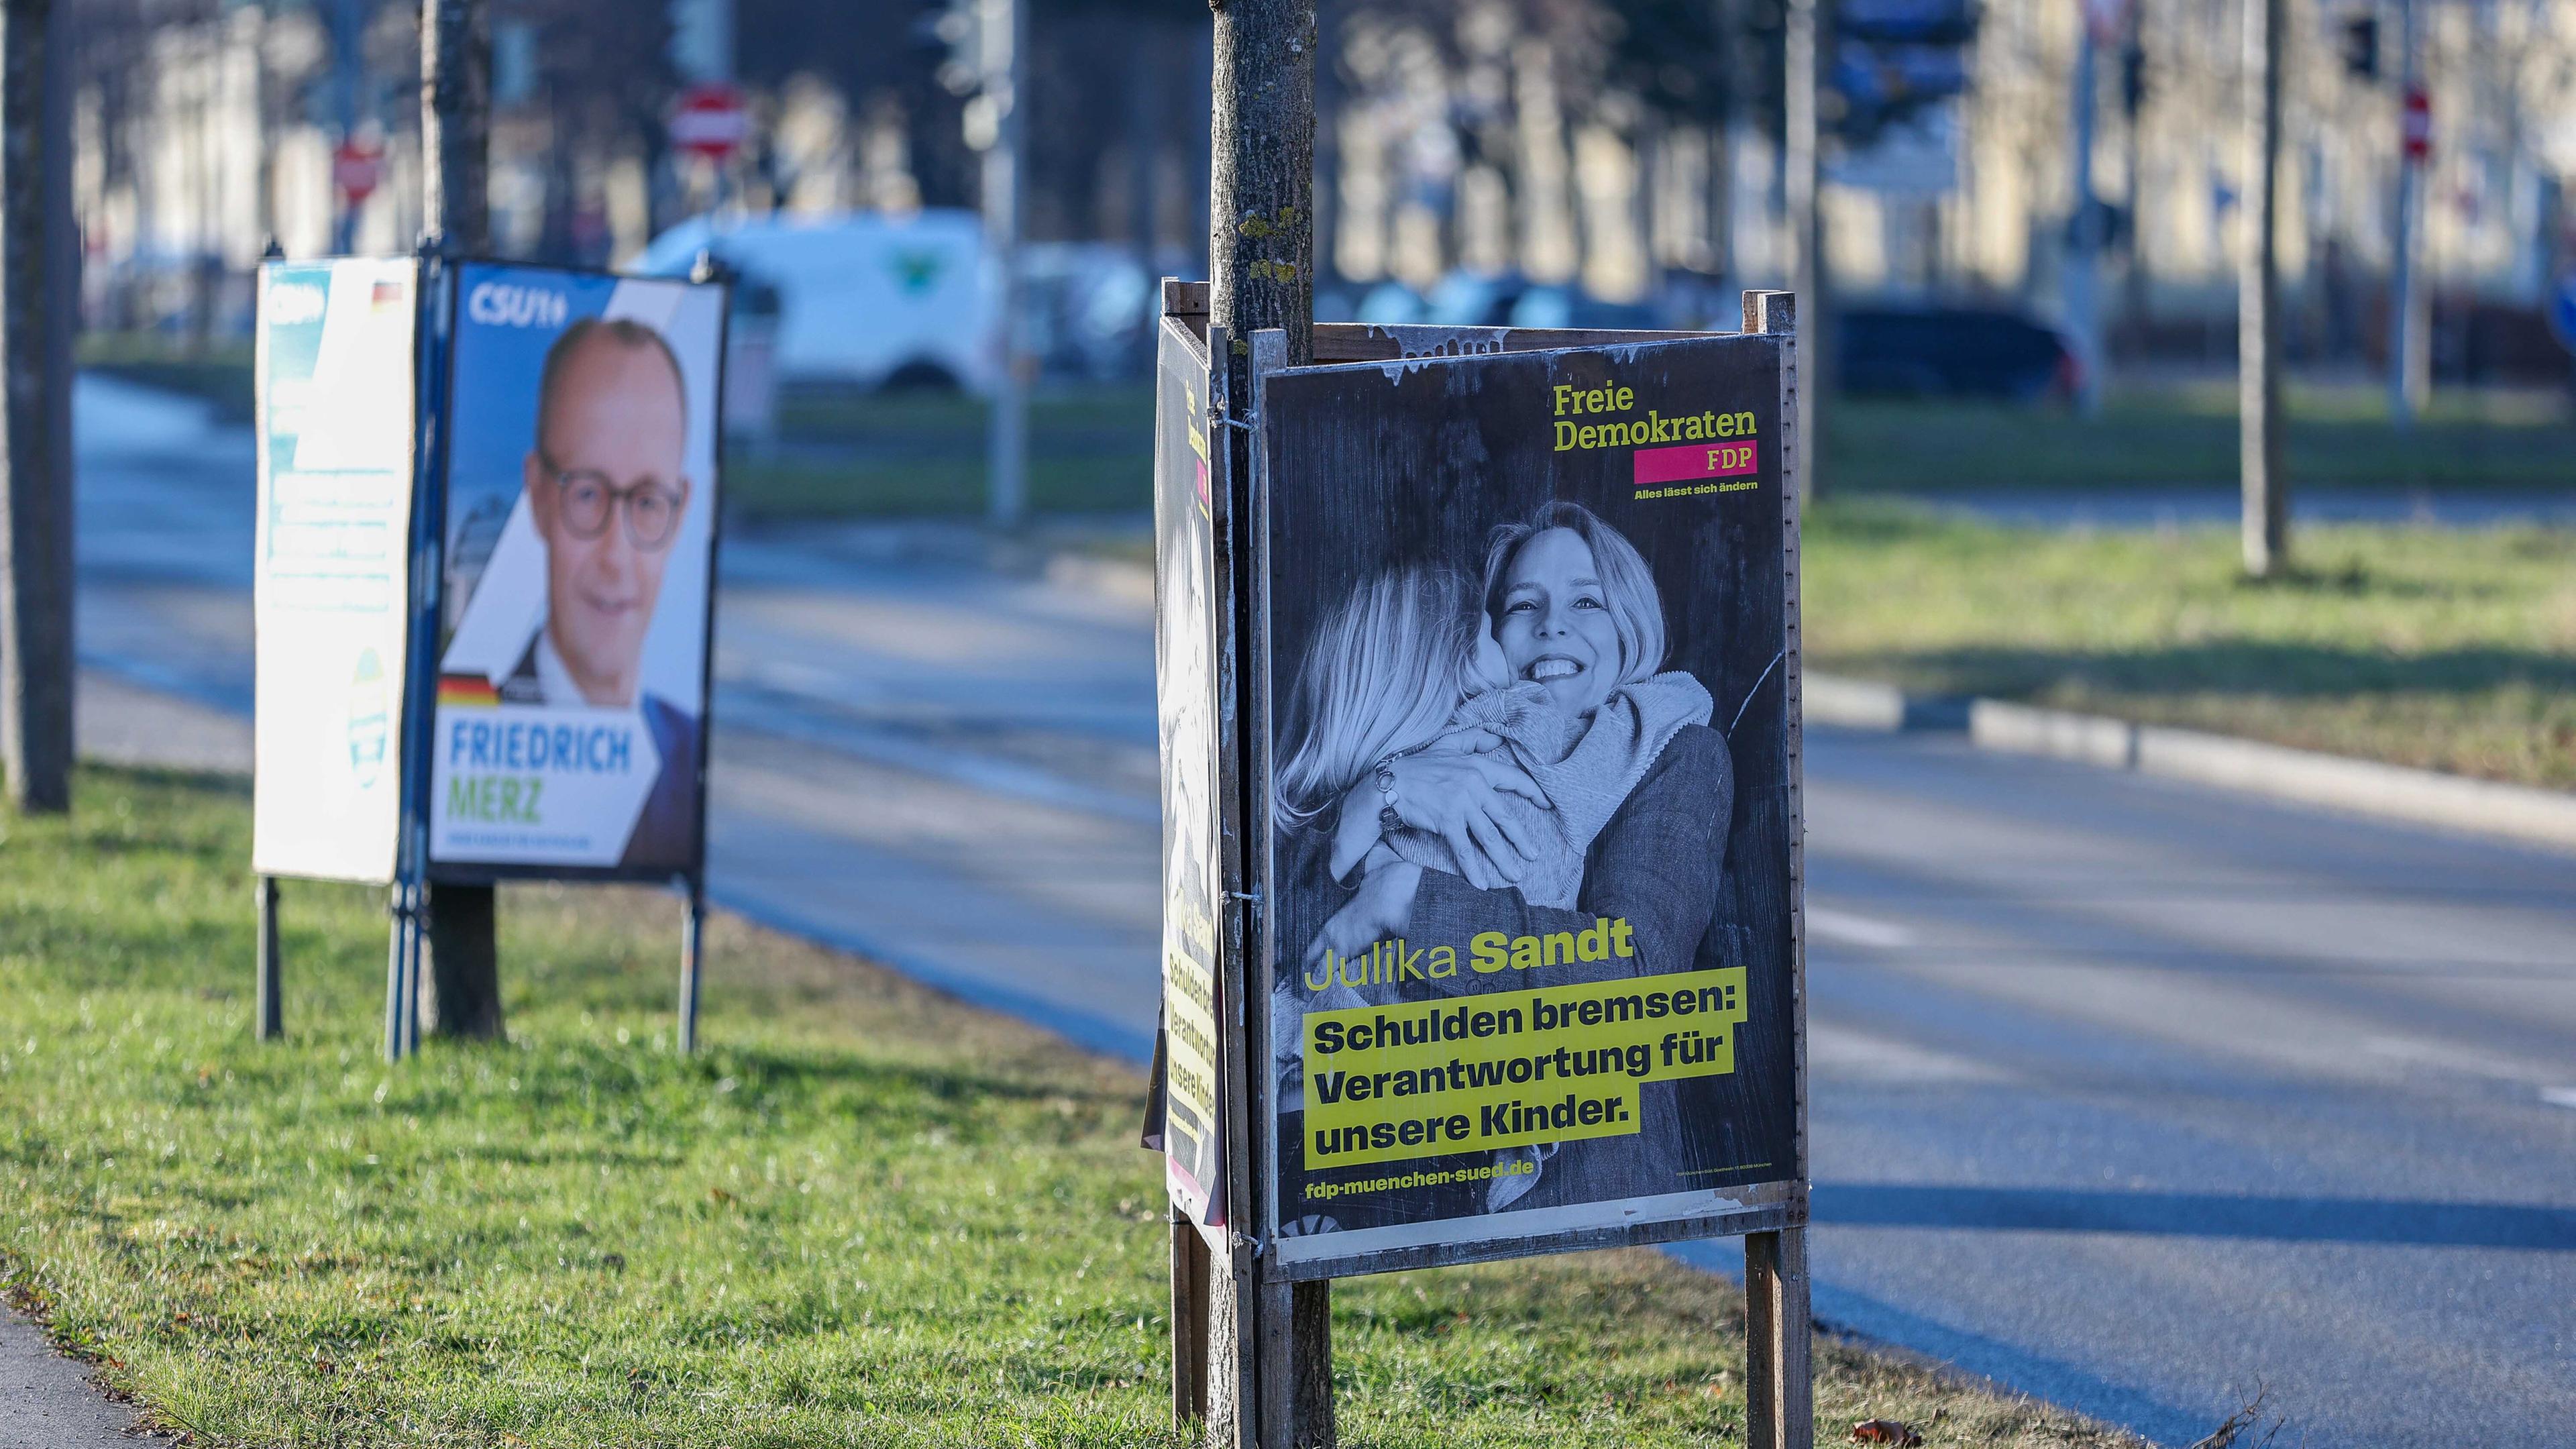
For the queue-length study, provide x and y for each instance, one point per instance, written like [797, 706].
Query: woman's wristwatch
[1389, 819]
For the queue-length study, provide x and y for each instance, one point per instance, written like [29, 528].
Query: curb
[2522, 814]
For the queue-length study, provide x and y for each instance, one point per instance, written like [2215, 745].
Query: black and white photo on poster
[1528, 854]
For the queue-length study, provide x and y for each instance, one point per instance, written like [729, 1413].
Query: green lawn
[219, 373]
[922, 453]
[2454, 649]
[2186, 435]
[864, 1215]
[1090, 451]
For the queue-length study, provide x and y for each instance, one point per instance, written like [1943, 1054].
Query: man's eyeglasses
[587, 495]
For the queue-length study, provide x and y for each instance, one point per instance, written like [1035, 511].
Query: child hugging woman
[1490, 737]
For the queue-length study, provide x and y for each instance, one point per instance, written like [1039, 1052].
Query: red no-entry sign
[709, 120]
[356, 167]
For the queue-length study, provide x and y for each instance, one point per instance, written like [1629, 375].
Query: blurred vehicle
[1390, 304]
[864, 300]
[1952, 352]
[1572, 307]
[1474, 299]
[1092, 306]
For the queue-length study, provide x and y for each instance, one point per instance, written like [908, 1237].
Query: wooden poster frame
[1242, 1361]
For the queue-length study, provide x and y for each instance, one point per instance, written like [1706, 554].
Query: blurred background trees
[1625, 150]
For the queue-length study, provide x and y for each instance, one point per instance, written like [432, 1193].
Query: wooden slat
[1779, 1323]
[1790, 1209]
[1369, 342]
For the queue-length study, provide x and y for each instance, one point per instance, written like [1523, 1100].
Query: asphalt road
[2134, 1095]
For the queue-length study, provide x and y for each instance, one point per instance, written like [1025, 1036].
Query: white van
[864, 298]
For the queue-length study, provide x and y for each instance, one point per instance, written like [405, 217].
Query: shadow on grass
[2393, 1221]
[2236, 667]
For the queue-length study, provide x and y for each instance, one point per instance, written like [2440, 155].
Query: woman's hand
[1355, 823]
[1381, 910]
[1458, 797]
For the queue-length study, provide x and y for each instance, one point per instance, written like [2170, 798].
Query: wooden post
[459, 987]
[1778, 1320]
[1189, 1323]
[2258, 304]
[1779, 1410]
[269, 1014]
[35, 473]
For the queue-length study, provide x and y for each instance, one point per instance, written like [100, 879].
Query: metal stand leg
[415, 947]
[269, 1012]
[692, 942]
[1779, 1332]
[397, 972]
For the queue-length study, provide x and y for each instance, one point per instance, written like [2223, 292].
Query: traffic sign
[2106, 20]
[709, 120]
[2418, 127]
[2562, 311]
[356, 167]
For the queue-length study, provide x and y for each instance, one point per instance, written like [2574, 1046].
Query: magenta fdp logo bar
[1697, 460]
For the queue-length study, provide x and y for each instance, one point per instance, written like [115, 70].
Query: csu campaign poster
[330, 590]
[1528, 891]
[580, 504]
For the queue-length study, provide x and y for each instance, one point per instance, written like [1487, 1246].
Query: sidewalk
[47, 1401]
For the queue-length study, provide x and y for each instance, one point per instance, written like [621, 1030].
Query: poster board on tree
[1189, 492]
[1528, 802]
[580, 499]
[335, 381]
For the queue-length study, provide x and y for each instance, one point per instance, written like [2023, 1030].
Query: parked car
[1572, 307]
[1474, 299]
[866, 300]
[1092, 305]
[1952, 352]
[1390, 304]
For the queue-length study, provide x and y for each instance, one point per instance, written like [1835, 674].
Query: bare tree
[460, 987]
[35, 477]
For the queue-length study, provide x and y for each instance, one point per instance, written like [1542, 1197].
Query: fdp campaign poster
[1528, 856]
[335, 384]
[1188, 468]
[580, 504]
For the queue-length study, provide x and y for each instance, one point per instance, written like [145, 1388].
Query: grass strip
[2451, 649]
[866, 1214]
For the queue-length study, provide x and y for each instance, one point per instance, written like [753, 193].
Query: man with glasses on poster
[607, 489]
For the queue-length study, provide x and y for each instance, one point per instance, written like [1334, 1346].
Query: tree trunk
[1261, 275]
[460, 980]
[1810, 29]
[456, 123]
[35, 473]
[1261, 221]
[2266, 511]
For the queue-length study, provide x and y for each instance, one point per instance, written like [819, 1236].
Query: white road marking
[1850, 930]
[1841, 1054]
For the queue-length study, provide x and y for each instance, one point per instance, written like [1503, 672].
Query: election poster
[1188, 467]
[1527, 863]
[330, 591]
[580, 502]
